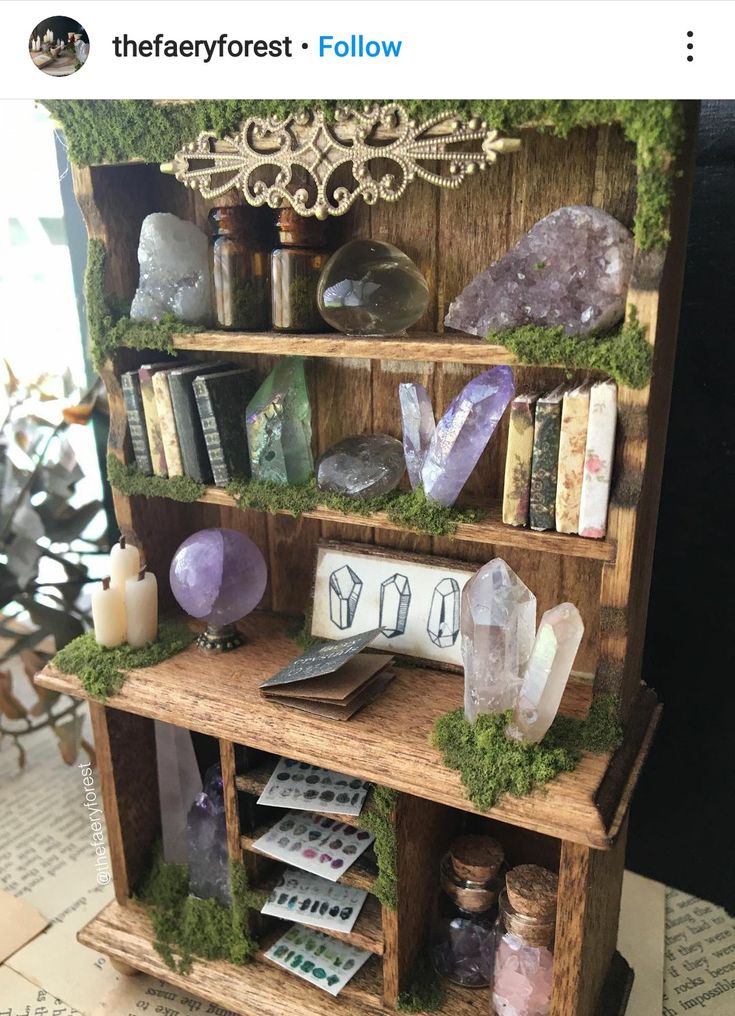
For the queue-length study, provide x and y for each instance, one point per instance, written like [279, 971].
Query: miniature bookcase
[577, 824]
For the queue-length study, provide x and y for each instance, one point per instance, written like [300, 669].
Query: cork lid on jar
[299, 229]
[532, 891]
[229, 219]
[476, 858]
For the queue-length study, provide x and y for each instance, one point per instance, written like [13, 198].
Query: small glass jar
[462, 931]
[296, 265]
[240, 275]
[524, 944]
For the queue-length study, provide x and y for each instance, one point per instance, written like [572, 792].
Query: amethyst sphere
[218, 575]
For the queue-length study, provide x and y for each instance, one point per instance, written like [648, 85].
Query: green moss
[410, 509]
[109, 328]
[186, 926]
[624, 354]
[99, 130]
[425, 991]
[129, 480]
[101, 671]
[378, 817]
[492, 764]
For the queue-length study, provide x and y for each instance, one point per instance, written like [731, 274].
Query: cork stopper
[476, 858]
[226, 219]
[299, 230]
[532, 891]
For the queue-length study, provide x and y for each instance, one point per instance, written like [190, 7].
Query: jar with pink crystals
[524, 959]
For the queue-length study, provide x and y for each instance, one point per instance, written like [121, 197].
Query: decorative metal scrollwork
[296, 160]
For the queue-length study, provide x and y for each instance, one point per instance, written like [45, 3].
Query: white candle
[141, 607]
[124, 564]
[108, 615]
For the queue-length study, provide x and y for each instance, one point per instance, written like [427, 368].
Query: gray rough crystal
[179, 782]
[443, 622]
[368, 465]
[417, 416]
[571, 269]
[209, 876]
[345, 587]
[395, 600]
[174, 271]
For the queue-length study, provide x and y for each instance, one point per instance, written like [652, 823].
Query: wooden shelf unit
[577, 824]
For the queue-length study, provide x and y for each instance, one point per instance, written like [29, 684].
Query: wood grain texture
[126, 761]
[590, 883]
[256, 989]
[232, 810]
[388, 742]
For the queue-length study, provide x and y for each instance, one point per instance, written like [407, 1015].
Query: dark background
[683, 816]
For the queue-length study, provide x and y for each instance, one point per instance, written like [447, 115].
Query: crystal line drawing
[443, 623]
[345, 587]
[395, 600]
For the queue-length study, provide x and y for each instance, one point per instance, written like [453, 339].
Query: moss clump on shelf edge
[102, 130]
[409, 509]
[378, 817]
[492, 764]
[129, 480]
[188, 927]
[110, 328]
[426, 990]
[101, 671]
[623, 354]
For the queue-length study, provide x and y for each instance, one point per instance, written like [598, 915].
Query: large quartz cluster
[571, 269]
[505, 666]
[441, 457]
[174, 270]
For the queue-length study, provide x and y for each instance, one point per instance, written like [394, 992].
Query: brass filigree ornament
[295, 160]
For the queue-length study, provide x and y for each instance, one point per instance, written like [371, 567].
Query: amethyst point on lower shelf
[209, 876]
[463, 433]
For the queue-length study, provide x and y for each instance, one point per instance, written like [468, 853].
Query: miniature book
[188, 424]
[517, 484]
[150, 410]
[221, 400]
[544, 460]
[170, 438]
[130, 383]
[572, 440]
[598, 460]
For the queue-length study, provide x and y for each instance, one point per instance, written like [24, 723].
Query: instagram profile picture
[58, 46]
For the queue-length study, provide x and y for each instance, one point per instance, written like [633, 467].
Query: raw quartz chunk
[174, 270]
[571, 269]
[523, 978]
[417, 417]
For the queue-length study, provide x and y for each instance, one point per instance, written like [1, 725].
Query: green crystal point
[278, 421]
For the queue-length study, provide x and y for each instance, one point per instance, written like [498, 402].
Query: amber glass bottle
[239, 272]
[296, 265]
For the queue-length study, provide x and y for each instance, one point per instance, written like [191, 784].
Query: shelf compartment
[254, 782]
[388, 742]
[367, 932]
[453, 347]
[259, 988]
[490, 530]
[359, 876]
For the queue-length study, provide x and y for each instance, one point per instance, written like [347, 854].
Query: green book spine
[133, 401]
[221, 400]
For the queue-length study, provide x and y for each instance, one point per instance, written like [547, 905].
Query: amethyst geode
[218, 575]
[571, 269]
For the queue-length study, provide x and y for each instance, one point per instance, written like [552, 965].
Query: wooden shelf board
[453, 347]
[491, 529]
[254, 781]
[367, 932]
[388, 742]
[256, 989]
[359, 876]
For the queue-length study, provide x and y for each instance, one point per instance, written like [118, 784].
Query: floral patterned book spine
[544, 460]
[517, 484]
[572, 440]
[130, 384]
[169, 437]
[598, 460]
[150, 411]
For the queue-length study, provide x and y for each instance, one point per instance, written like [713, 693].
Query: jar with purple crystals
[524, 951]
[462, 932]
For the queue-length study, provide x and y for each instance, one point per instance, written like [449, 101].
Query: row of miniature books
[188, 419]
[559, 460]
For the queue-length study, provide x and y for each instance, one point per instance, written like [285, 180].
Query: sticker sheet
[305, 787]
[325, 962]
[319, 845]
[311, 899]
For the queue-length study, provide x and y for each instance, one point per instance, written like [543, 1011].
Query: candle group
[125, 605]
